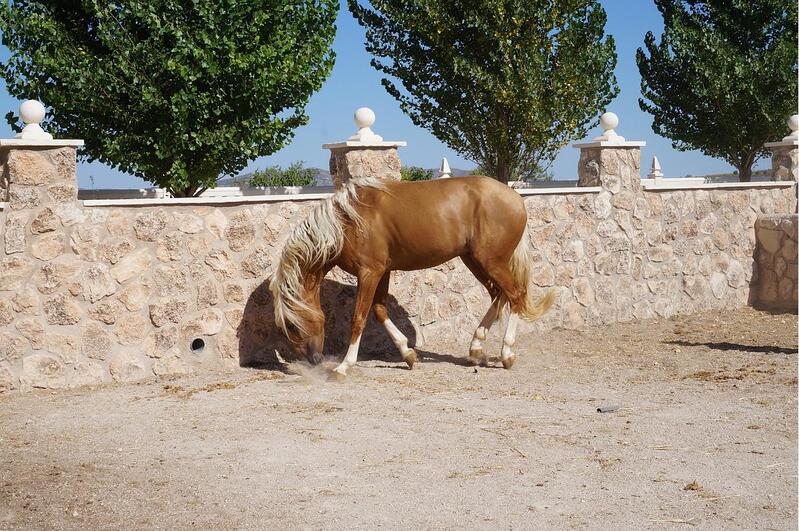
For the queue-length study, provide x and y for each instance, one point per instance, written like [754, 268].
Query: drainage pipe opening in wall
[197, 345]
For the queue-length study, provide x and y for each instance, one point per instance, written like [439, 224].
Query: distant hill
[323, 177]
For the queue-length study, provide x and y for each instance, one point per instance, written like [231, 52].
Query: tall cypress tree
[506, 83]
[723, 78]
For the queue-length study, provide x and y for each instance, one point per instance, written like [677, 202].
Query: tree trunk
[189, 191]
[745, 168]
[503, 170]
[745, 173]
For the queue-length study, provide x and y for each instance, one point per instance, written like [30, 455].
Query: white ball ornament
[31, 111]
[793, 125]
[609, 121]
[364, 117]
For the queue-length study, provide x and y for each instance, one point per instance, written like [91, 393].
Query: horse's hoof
[509, 361]
[409, 358]
[477, 357]
[337, 376]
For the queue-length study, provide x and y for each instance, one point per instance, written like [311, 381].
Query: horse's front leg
[367, 284]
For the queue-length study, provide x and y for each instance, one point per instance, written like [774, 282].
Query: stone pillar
[40, 194]
[40, 184]
[785, 154]
[364, 154]
[609, 160]
[40, 187]
[775, 285]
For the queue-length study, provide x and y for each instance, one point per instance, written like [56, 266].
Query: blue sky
[354, 83]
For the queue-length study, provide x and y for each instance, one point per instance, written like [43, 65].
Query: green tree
[177, 92]
[505, 83]
[294, 175]
[415, 173]
[723, 78]
[534, 174]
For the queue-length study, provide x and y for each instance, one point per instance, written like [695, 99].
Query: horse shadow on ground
[259, 338]
[724, 346]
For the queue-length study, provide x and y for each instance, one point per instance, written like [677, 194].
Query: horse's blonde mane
[317, 240]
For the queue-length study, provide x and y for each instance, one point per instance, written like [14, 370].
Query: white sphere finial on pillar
[793, 125]
[609, 122]
[364, 120]
[32, 112]
[364, 117]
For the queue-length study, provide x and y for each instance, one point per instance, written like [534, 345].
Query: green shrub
[294, 175]
[415, 173]
[537, 173]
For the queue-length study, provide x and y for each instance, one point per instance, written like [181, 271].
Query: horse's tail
[520, 267]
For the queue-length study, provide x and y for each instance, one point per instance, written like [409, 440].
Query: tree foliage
[176, 92]
[723, 78]
[534, 174]
[505, 83]
[294, 175]
[415, 173]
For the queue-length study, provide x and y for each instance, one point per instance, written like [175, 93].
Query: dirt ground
[705, 435]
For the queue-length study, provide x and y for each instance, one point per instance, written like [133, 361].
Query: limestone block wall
[614, 168]
[92, 294]
[785, 161]
[656, 253]
[775, 284]
[352, 162]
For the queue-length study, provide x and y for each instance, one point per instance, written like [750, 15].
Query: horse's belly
[424, 260]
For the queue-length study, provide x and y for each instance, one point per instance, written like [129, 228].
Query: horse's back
[479, 197]
[479, 183]
[472, 190]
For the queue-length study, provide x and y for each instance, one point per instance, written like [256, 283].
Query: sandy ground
[705, 436]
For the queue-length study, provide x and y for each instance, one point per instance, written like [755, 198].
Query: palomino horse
[370, 227]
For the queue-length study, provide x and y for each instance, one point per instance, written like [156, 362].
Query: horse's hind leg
[501, 275]
[476, 354]
[380, 309]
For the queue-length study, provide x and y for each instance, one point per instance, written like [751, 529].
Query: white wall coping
[213, 200]
[562, 190]
[682, 181]
[646, 184]
[27, 143]
[94, 194]
[523, 185]
[365, 144]
[675, 184]
[782, 143]
[610, 144]
[220, 200]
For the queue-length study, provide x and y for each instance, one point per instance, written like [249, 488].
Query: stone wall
[92, 294]
[785, 162]
[353, 162]
[775, 285]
